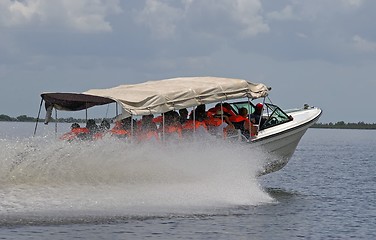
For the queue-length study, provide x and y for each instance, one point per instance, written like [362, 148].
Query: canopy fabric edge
[73, 101]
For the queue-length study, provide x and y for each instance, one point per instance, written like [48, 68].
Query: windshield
[271, 114]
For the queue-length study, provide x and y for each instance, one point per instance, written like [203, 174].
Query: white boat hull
[279, 142]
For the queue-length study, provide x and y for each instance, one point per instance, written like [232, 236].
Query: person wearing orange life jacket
[147, 129]
[183, 115]
[225, 108]
[158, 120]
[211, 119]
[172, 128]
[217, 113]
[122, 128]
[196, 121]
[102, 129]
[76, 132]
[256, 116]
[242, 122]
[93, 129]
[217, 117]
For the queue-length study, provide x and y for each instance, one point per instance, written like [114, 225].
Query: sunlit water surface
[106, 189]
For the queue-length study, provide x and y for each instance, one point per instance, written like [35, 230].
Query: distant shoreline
[337, 125]
[365, 126]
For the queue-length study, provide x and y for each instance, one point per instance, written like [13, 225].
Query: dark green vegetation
[24, 118]
[343, 125]
[337, 125]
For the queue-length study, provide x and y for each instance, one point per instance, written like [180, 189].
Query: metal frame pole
[55, 122]
[36, 123]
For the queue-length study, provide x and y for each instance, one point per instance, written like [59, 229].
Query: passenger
[158, 120]
[105, 125]
[225, 111]
[212, 111]
[183, 115]
[147, 129]
[242, 122]
[102, 129]
[173, 128]
[92, 126]
[218, 121]
[128, 123]
[122, 128]
[200, 113]
[93, 129]
[196, 121]
[226, 108]
[76, 132]
[257, 113]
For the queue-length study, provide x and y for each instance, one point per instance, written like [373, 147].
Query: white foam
[110, 176]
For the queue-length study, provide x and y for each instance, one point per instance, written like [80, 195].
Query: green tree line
[24, 118]
[343, 125]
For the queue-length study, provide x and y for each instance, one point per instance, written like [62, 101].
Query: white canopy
[171, 94]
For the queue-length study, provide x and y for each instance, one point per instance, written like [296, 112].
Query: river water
[50, 189]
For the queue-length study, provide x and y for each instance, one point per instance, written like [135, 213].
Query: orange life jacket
[158, 119]
[100, 135]
[169, 130]
[213, 111]
[188, 125]
[240, 119]
[145, 136]
[213, 121]
[118, 131]
[237, 118]
[69, 136]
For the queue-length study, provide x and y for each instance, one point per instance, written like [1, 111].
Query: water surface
[102, 190]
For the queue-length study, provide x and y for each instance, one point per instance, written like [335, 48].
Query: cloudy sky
[309, 51]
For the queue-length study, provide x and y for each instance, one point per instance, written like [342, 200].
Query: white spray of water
[41, 175]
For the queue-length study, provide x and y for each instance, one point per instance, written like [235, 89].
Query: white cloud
[16, 13]
[363, 45]
[313, 10]
[83, 15]
[352, 3]
[247, 13]
[285, 14]
[160, 18]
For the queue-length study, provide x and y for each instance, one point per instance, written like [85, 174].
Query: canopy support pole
[249, 119]
[194, 121]
[222, 122]
[55, 122]
[262, 110]
[86, 111]
[163, 127]
[249, 110]
[36, 123]
[132, 128]
[222, 111]
[108, 107]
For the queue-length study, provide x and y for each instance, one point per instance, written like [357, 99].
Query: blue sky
[318, 52]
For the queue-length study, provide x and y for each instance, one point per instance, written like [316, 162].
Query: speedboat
[278, 131]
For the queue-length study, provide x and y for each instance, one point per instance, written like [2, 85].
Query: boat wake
[43, 176]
